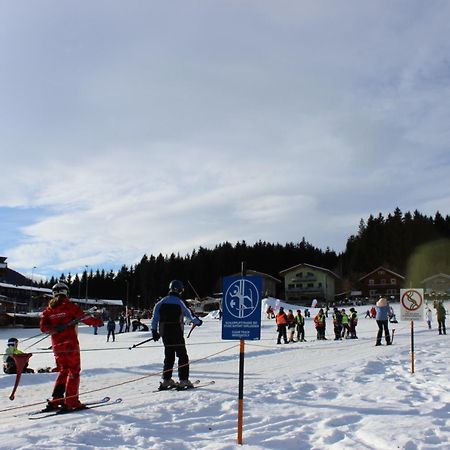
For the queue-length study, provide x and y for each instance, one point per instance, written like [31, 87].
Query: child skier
[300, 323]
[9, 364]
[337, 322]
[319, 322]
[291, 325]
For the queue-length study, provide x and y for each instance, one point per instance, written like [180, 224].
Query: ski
[198, 385]
[195, 385]
[89, 405]
[173, 387]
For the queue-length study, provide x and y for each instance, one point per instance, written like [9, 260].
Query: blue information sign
[241, 307]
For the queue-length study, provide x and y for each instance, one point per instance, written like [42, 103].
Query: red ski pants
[69, 376]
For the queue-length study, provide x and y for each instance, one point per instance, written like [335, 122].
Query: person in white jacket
[428, 317]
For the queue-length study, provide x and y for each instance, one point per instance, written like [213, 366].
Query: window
[373, 293]
[299, 275]
[393, 281]
[371, 282]
[310, 285]
[382, 281]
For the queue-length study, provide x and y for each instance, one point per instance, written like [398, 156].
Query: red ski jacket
[60, 315]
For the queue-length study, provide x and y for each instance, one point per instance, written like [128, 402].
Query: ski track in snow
[315, 395]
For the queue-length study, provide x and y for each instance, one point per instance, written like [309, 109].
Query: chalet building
[437, 285]
[305, 282]
[381, 282]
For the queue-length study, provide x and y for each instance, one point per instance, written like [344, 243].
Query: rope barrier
[133, 380]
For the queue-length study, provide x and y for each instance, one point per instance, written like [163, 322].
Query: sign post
[411, 308]
[241, 320]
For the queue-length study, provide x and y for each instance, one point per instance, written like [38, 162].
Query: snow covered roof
[97, 301]
[438, 275]
[25, 287]
[323, 269]
[382, 268]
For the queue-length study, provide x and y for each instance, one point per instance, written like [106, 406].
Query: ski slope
[313, 395]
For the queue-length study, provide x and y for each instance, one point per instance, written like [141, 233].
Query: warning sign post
[411, 308]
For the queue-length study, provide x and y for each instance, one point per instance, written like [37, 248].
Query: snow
[313, 395]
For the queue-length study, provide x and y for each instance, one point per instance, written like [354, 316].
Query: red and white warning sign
[411, 304]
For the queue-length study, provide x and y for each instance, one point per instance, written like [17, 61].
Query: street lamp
[86, 283]
[31, 288]
[126, 298]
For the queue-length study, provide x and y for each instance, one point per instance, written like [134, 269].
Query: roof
[255, 272]
[323, 269]
[97, 301]
[26, 288]
[382, 268]
[438, 275]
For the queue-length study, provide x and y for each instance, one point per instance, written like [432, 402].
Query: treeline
[394, 242]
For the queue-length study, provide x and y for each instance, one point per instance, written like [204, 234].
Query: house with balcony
[305, 282]
[437, 286]
[381, 282]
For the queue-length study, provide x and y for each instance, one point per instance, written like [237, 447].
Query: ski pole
[140, 343]
[392, 337]
[191, 330]
[37, 342]
[70, 324]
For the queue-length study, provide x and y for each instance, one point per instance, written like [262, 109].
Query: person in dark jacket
[440, 316]
[337, 323]
[281, 321]
[382, 318]
[111, 328]
[168, 323]
[353, 322]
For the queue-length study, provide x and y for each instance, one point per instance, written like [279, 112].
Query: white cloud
[157, 129]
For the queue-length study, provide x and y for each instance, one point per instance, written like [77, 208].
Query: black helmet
[13, 341]
[60, 289]
[176, 287]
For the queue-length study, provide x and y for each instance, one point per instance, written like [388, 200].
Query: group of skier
[290, 326]
[344, 325]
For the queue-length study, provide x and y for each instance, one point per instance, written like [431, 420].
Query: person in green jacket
[345, 324]
[9, 364]
[300, 325]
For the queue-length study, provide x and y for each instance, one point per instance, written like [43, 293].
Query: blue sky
[151, 127]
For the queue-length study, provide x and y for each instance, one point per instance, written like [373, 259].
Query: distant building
[381, 282]
[304, 282]
[437, 285]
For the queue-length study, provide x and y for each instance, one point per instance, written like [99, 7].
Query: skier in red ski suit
[60, 319]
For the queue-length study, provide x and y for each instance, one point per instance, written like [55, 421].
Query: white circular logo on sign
[242, 298]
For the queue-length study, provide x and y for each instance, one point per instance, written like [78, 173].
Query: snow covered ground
[312, 395]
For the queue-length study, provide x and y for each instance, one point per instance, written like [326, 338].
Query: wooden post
[412, 346]
[241, 378]
[241, 392]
